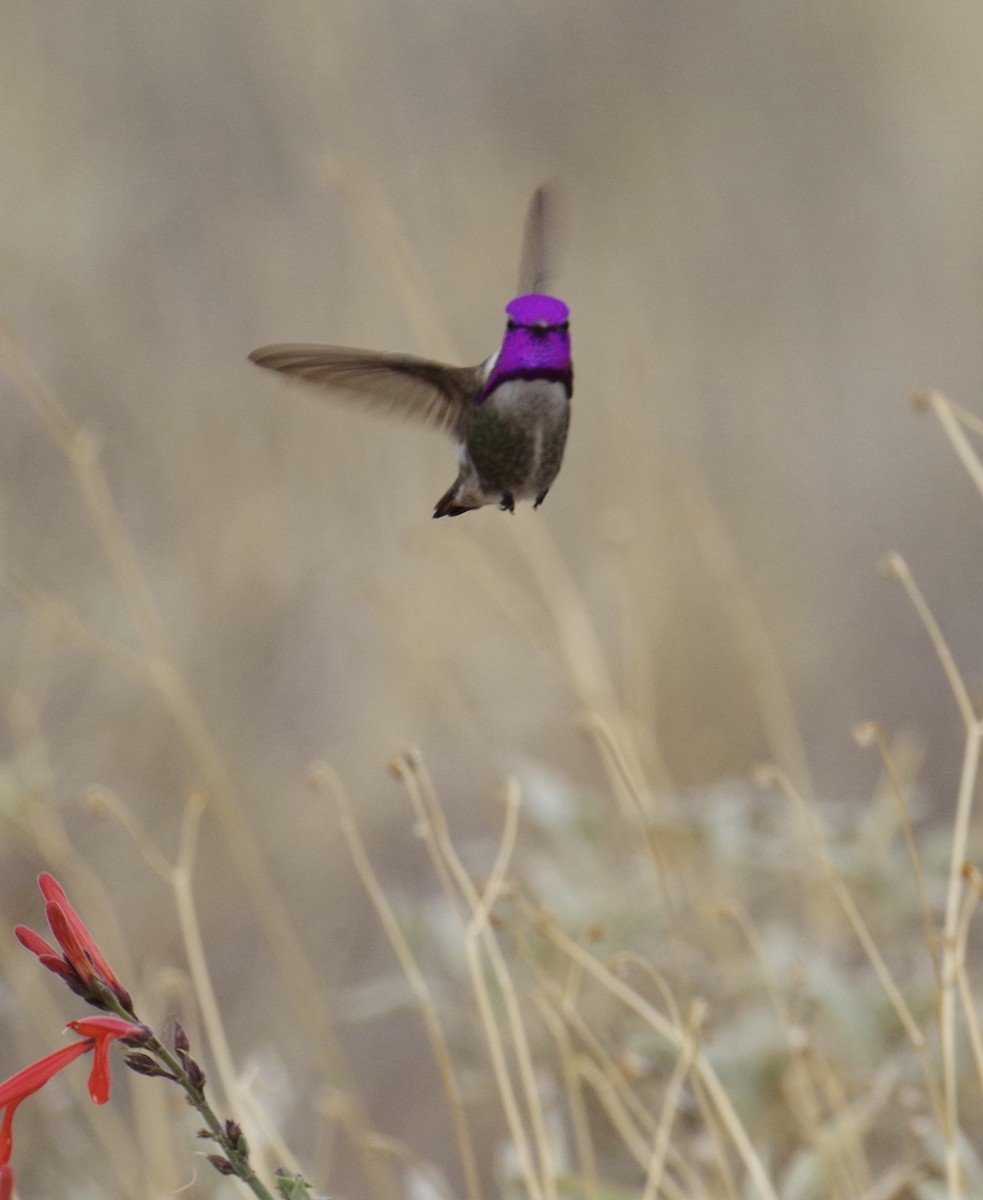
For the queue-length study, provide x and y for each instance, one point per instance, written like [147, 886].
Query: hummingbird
[509, 415]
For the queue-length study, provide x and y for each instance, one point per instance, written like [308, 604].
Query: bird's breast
[517, 434]
[535, 400]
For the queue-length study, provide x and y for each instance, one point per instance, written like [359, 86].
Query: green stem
[237, 1157]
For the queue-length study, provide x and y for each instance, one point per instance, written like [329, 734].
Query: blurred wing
[413, 387]
[536, 268]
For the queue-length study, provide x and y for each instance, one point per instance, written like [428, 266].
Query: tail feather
[447, 505]
[459, 498]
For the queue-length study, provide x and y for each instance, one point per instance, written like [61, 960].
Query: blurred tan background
[772, 236]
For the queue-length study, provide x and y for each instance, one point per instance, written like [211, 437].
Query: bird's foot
[508, 502]
[540, 498]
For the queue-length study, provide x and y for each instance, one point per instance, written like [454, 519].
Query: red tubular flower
[31, 1079]
[81, 963]
[103, 1031]
[96, 1033]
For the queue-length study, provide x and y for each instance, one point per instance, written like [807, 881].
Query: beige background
[772, 236]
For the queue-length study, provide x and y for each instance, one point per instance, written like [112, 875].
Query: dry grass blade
[483, 953]
[970, 1013]
[969, 776]
[952, 420]
[676, 1037]
[576, 1105]
[850, 908]
[864, 735]
[670, 1103]
[895, 567]
[327, 781]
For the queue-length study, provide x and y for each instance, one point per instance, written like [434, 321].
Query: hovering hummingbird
[509, 416]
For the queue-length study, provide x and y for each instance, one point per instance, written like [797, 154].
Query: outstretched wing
[400, 383]
[536, 265]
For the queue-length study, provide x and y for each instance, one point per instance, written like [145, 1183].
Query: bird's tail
[447, 505]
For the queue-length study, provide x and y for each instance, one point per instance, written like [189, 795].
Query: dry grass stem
[483, 950]
[329, 782]
[971, 899]
[866, 734]
[969, 775]
[850, 909]
[670, 1103]
[952, 420]
[580, 1124]
[675, 1037]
